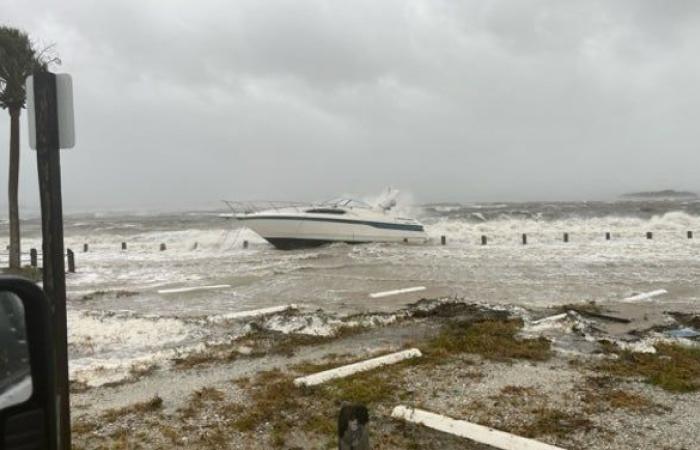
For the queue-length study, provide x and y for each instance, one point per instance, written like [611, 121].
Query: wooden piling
[443, 240]
[245, 244]
[123, 245]
[71, 260]
[85, 248]
[566, 237]
[690, 235]
[194, 247]
[650, 235]
[524, 239]
[33, 257]
[607, 236]
[162, 247]
[484, 240]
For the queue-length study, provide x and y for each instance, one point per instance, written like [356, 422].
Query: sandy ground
[563, 399]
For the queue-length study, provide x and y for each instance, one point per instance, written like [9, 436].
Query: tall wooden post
[71, 261]
[33, 260]
[443, 240]
[524, 239]
[484, 240]
[607, 236]
[566, 237]
[650, 235]
[49, 171]
[123, 245]
[85, 248]
[690, 235]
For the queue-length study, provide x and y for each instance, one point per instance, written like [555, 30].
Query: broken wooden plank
[583, 312]
[547, 319]
[397, 291]
[251, 313]
[645, 295]
[350, 369]
[194, 289]
[462, 428]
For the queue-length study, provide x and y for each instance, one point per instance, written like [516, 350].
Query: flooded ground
[117, 317]
[131, 329]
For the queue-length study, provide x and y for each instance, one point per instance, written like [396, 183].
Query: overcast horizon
[182, 104]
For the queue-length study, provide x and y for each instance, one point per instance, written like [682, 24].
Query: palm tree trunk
[13, 189]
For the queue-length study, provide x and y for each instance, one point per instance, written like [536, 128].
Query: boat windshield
[345, 203]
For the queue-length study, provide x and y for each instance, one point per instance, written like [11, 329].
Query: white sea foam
[104, 347]
[672, 223]
[105, 332]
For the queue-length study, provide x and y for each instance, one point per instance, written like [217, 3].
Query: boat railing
[250, 207]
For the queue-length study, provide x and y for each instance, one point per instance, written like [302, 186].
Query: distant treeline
[668, 193]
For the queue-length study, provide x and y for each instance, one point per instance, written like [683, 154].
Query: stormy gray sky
[181, 103]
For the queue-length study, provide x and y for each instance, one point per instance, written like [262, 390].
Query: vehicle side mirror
[28, 403]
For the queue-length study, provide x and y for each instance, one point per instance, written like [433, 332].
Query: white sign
[64, 106]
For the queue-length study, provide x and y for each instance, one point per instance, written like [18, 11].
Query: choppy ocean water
[112, 331]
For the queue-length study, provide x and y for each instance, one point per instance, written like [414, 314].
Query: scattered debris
[251, 313]
[549, 319]
[673, 367]
[462, 428]
[344, 371]
[607, 317]
[397, 291]
[689, 320]
[683, 333]
[645, 295]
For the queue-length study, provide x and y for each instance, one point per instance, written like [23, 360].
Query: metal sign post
[44, 119]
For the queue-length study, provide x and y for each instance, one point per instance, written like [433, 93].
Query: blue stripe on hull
[382, 225]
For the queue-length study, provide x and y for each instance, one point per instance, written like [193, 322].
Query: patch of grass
[517, 391]
[367, 388]
[82, 426]
[600, 394]
[152, 405]
[617, 398]
[331, 362]
[272, 395]
[492, 339]
[170, 433]
[553, 422]
[673, 367]
[208, 394]
[288, 344]
[278, 407]
[200, 400]
[209, 355]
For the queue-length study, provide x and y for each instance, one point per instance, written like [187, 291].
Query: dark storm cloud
[181, 103]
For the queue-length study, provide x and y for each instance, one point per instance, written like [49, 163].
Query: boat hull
[290, 232]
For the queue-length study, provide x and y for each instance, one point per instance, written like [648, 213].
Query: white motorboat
[341, 220]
